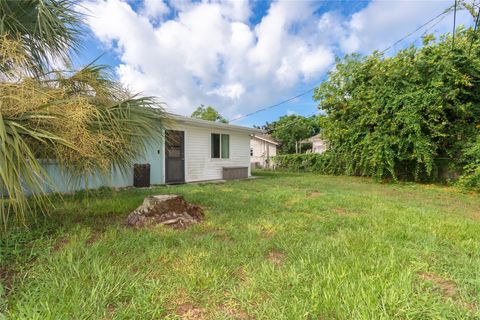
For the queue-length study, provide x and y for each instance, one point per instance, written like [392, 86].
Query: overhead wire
[290, 123]
[273, 105]
[454, 24]
[474, 31]
[430, 28]
[417, 29]
[441, 15]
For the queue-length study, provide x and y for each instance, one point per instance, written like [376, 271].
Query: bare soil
[447, 288]
[276, 257]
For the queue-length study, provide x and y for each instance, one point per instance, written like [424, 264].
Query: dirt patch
[110, 307]
[218, 234]
[94, 237]
[223, 236]
[60, 244]
[345, 212]
[267, 233]
[188, 311]
[6, 279]
[184, 307]
[310, 216]
[289, 203]
[447, 288]
[99, 222]
[242, 274]
[314, 194]
[276, 257]
[234, 312]
[135, 269]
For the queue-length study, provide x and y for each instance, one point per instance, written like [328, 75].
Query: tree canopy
[408, 116]
[208, 113]
[291, 130]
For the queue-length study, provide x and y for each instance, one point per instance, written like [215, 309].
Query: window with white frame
[220, 146]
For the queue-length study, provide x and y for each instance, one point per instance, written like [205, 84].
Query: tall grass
[286, 246]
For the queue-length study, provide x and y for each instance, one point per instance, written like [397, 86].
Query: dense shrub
[471, 174]
[411, 116]
[303, 162]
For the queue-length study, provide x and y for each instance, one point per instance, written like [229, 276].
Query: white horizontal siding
[199, 166]
[262, 150]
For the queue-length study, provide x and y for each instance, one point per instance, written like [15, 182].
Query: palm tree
[82, 120]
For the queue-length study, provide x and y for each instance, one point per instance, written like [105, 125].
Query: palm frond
[46, 29]
[21, 173]
[83, 121]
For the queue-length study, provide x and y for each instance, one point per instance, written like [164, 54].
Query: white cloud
[381, 23]
[208, 53]
[155, 9]
[315, 62]
[232, 91]
[235, 10]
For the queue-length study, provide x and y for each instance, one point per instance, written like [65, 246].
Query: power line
[273, 105]
[454, 23]
[290, 123]
[414, 31]
[383, 51]
[430, 28]
[474, 31]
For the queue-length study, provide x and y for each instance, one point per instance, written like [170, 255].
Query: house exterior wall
[62, 183]
[319, 146]
[261, 150]
[199, 165]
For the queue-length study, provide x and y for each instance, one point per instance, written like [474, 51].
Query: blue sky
[240, 56]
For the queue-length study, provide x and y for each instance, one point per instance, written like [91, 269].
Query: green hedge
[470, 179]
[329, 163]
[303, 162]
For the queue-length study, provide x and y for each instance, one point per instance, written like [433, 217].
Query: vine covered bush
[412, 116]
[302, 162]
[471, 175]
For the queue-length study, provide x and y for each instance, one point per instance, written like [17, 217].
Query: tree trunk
[171, 210]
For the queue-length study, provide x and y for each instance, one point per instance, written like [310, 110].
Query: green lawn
[286, 246]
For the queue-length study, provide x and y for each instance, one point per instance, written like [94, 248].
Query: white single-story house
[319, 145]
[192, 150]
[262, 148]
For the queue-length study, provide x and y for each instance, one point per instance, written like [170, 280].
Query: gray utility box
[231, 173]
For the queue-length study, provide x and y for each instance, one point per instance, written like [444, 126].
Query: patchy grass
[287, 246]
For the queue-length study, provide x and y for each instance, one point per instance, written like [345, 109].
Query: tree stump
[170, 210]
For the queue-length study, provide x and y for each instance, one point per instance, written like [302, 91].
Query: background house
[319, 145]
[262, 148]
